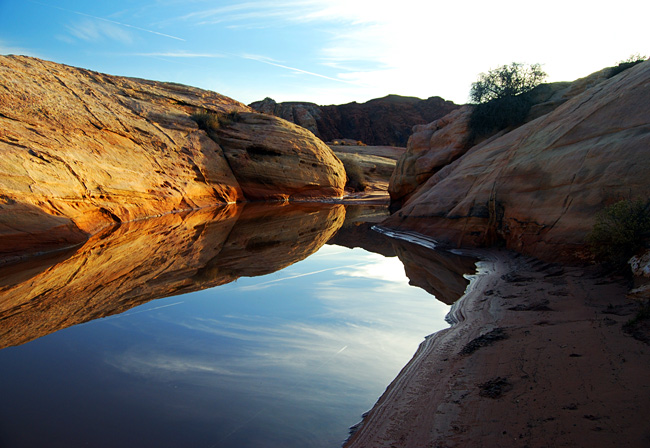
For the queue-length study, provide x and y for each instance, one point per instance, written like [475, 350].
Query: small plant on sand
[620, 231]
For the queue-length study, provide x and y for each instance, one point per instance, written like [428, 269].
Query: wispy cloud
[255, 13]
[94, 31]
[89, 34]
[180, 54]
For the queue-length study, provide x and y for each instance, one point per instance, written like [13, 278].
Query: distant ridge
[382, 121]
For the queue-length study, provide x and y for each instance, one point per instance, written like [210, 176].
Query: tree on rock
[506, 81]
[500, 98]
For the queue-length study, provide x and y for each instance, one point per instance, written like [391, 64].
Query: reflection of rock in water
[357, 230]
[439, 273]
[140, 261]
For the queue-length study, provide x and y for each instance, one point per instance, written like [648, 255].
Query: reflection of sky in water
[288, 359]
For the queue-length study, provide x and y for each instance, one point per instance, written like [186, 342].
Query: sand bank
[538, 358]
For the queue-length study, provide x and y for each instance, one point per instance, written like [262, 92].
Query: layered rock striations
[382, 121]
[81, 150]
[537, 188]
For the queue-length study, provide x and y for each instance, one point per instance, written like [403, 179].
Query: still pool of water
[285, 358]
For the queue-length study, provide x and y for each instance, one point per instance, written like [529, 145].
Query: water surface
[270, 337]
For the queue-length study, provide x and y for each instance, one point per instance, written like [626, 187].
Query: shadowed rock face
[382, 121]
[430, 148]
[131, 264]
[536, 188]
[92, 150]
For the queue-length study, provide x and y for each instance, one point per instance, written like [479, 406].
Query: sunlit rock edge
[82, 150]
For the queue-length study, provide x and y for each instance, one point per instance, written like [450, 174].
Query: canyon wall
[383, 121]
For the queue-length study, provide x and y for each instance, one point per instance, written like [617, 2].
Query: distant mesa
[384, 121]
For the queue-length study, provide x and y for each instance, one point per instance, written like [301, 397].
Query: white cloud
[424, 48]
[377, 267]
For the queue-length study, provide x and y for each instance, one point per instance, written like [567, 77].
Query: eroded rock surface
[430, 148]
[94, 149]
[274, 159]
[538, 187]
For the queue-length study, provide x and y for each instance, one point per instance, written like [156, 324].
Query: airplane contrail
[108, 20]
[266, 61]
[265, 284]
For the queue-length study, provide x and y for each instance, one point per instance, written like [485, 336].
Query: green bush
[627, 63]
[506, 81]
[621, 230]
[500, 98]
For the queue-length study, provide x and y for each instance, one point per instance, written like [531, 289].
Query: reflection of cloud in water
[346, 341]
[263, 285]
[377, 268]
[165, 366]
[288, 360]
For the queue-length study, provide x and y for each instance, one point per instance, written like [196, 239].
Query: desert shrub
[356, 177]
[206, 120]
[627, 63]
[210, 121]
[500, 100]
[506, 81]
[620, 231]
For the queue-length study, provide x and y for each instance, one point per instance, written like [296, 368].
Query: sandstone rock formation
[275, 159]
[430, 148]
[130, 264]
[90, 149]
[536, 188]
[383, 121]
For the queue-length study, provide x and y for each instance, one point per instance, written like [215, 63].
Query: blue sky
[327, 52]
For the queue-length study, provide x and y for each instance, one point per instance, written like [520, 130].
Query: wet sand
[538, 358]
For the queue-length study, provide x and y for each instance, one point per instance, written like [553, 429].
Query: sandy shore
[538, 358]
